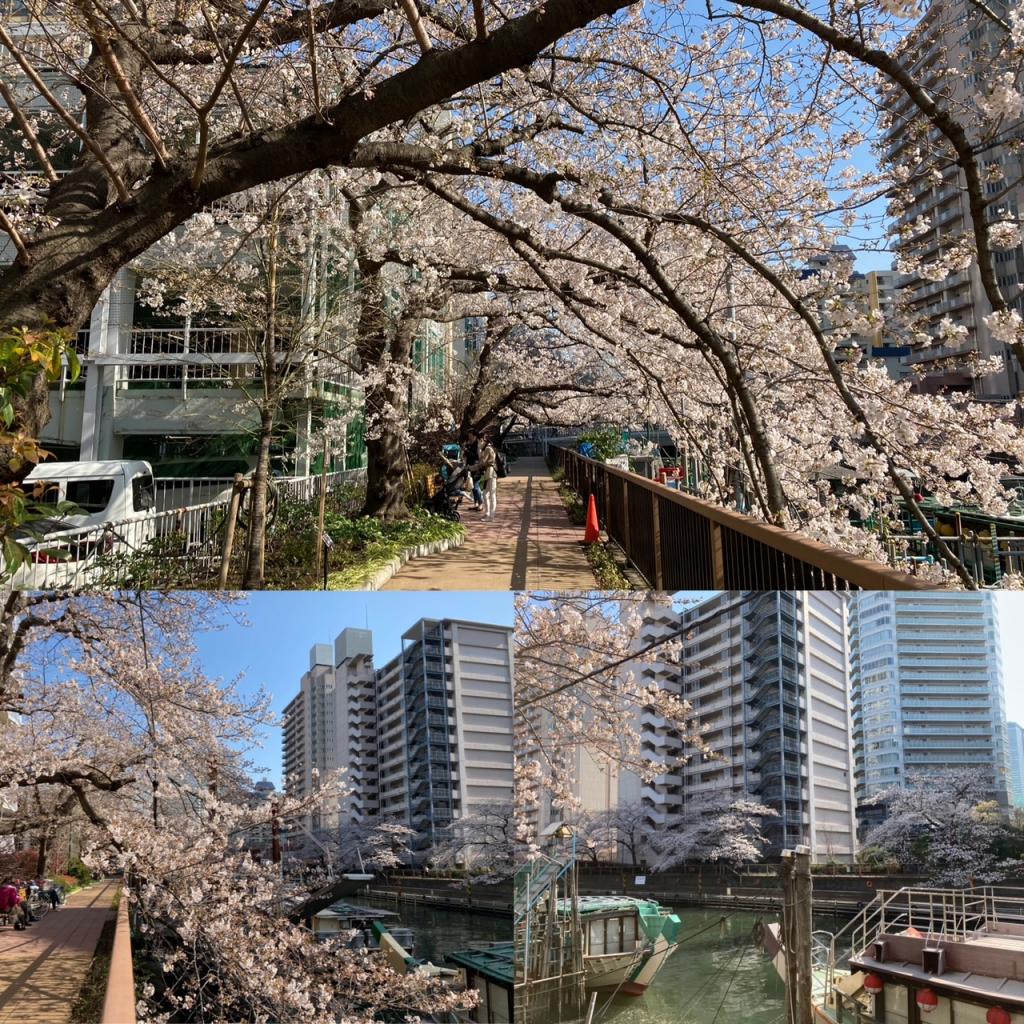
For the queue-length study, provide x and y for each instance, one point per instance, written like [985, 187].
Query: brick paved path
[530, 544]
[43, 967]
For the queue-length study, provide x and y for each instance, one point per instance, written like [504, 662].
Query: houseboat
[953, 956]
[355, 925]
[488, 968]
[626, 941]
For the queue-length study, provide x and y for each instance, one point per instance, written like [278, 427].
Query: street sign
[326, 540]
[640, 880]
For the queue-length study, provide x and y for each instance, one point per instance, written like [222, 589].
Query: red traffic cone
[593, 531]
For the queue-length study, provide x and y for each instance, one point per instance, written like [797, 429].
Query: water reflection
[438, 932]
[716, 975]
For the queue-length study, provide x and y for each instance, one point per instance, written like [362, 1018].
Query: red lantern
[927, 1000]
[997, 1015]
[873, 984]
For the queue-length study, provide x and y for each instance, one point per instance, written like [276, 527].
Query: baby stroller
[453, 483]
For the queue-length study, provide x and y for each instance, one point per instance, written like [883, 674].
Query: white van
[116, 502]
[106, 492]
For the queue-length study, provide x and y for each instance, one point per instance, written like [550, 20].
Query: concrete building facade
[767, 676]
[426, 738]
[955, 35]
[927, 688]
[1015, 736]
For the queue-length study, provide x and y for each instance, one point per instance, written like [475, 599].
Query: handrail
[839, 569]
[119, 1001]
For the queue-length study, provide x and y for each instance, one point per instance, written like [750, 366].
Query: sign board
[640, 880]
[326, 540]
[618, 462]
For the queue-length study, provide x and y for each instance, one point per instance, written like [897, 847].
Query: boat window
[597, 938]
[90, 495]
[497, 1004]
[629, 934]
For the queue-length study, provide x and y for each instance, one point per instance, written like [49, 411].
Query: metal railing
[677, 541]
[185, 542]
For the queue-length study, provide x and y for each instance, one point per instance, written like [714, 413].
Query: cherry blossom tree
[715, 828]
[581, 686]
[483, 842]
[268, 267]
[128, 121]
[122, 737]
[946, 821]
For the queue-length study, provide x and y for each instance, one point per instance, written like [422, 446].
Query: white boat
[948, 955]
[626, 942]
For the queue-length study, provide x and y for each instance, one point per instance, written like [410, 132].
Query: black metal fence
[679, 542]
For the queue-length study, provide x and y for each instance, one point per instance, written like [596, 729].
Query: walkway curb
[119, 1001]
[434, 547]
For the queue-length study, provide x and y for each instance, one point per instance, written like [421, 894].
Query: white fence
[175, 545]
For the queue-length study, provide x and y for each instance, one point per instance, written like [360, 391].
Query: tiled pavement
[42, 968]
[529, 545]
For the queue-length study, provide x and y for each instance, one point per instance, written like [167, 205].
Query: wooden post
[717, 557]
[659, 574]
[796, 933]
[229, 530]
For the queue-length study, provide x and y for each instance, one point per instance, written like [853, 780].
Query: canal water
[716, 976]
[439, 932]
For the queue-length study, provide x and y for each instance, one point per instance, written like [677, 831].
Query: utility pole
[796, 933]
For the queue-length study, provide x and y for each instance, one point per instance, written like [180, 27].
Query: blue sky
[272, 651]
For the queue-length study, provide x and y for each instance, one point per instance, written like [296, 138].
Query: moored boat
[626, 942]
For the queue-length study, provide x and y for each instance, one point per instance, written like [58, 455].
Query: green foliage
[607, 442]
[77, 869]
[24, 354]
[607, 573]
[373, 543]
[573, 505]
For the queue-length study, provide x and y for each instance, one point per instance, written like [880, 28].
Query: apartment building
[927, 688]
[953, 34]
[426, 738]
[767, 676]
[1015, 736]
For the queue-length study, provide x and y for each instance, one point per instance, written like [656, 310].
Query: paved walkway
[529, 545]
[43, 967]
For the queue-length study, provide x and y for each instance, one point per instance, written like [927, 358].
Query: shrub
[606, 442]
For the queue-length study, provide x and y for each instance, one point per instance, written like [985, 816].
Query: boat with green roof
[626, 941]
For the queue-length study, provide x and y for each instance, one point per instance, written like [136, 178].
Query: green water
[717, 977]
[439, 932]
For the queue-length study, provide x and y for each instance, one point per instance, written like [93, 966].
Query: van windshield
[90, 495]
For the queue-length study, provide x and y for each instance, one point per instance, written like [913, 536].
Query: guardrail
[119, 1001]
[678, 542]
[184, 544]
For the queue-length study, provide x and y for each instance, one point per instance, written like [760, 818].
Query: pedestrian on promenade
[54, 893]
[489, 475]
[11, 904]
[472, 458]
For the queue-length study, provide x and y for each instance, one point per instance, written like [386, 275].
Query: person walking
[489, 477]
[472, 459]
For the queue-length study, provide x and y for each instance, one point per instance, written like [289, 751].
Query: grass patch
[88, 1007]
[606, 571]
[370, 544]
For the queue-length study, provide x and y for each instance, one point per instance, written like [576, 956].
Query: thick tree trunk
[42, 856]
[257, 541]
[388, 404]
[385, 475]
